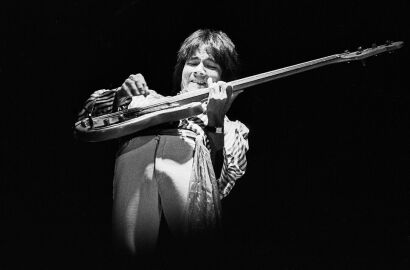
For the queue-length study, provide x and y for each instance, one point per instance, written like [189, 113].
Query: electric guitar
[169, 109]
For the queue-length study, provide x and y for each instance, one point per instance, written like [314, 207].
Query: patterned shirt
[235, 133]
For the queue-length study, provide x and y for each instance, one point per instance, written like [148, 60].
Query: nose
[199, 70]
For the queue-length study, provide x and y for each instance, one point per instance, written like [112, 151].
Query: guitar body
[102, 129]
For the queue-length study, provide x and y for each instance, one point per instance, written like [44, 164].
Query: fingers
[135, 85]
[213, 89]
[219, 90]
[209, 81]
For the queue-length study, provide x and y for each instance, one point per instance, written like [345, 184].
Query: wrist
[215, 122]
[215, 118]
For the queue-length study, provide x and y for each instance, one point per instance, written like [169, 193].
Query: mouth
[201, 84]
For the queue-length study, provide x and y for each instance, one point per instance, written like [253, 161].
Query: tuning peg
[359, 50]
[346, 51]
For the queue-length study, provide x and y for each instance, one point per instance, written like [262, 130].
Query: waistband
[177, 132]
[163, 129]
[186, 133]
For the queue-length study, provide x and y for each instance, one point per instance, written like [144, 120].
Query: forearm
[101, 102]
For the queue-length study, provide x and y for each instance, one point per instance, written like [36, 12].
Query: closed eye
[211, 67]
[193, 62]
[211, 64]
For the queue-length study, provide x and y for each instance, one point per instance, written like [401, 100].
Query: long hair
[217, 44]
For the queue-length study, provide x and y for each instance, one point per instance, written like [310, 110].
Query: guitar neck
[282, 72]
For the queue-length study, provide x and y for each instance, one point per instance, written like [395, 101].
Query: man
[170, 171]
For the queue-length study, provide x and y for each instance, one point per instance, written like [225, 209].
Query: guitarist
[178, 172]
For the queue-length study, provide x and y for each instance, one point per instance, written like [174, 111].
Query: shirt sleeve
[235, 148]
[102, 102]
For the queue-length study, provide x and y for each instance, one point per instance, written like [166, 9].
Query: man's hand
[135, 85]
[219, 101]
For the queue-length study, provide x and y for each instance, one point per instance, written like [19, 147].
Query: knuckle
[133, 86]
[124, 87]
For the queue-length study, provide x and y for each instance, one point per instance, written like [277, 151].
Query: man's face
[198, 69]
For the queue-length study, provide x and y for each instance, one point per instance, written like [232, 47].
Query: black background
[328, 166]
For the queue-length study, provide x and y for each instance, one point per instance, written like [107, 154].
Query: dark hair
[218, 44]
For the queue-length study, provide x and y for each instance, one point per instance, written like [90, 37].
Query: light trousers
[151, 178]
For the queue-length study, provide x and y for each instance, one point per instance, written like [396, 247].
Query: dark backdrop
[328, 166]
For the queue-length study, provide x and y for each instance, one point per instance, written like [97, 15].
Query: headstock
[361, 54]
